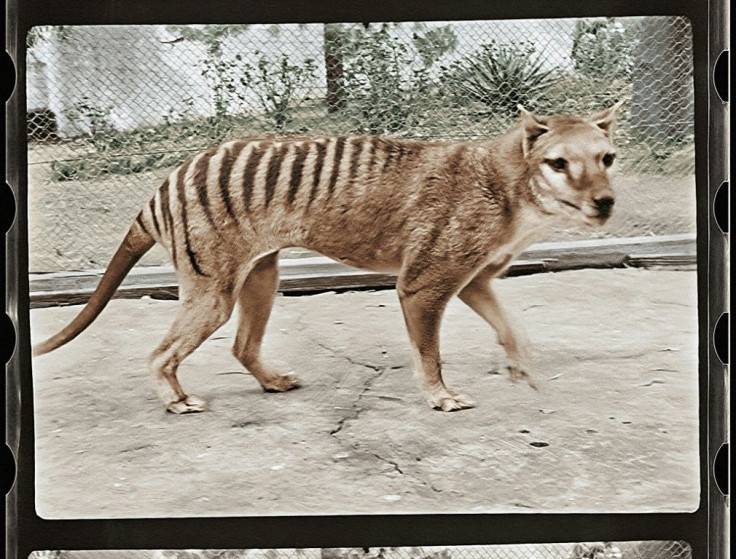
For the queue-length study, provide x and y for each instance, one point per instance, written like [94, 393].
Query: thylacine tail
[135, 244]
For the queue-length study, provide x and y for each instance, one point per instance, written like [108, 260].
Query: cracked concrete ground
[613, 427]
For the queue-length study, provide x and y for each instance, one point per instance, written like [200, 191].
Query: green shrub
[580, 96]
[96, 120]
[276, 85]
[603, 49]
[91, 167]
[376, 94]
[433, 43]
[500, 76]
[216, 69]
[108, 151]
[386, 84]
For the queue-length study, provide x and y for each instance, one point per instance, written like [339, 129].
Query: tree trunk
[662, 79]
[333, 69]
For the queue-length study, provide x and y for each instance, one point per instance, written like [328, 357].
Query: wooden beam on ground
[318, 273]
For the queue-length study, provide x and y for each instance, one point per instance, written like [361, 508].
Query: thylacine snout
[596, 210]
[597, 206]
[604, 205]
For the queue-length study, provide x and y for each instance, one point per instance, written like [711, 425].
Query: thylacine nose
[604, 205]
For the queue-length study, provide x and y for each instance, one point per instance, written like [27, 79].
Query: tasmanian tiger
[447, 217]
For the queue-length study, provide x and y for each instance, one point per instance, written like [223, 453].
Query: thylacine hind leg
[204, 308]
[256, 299]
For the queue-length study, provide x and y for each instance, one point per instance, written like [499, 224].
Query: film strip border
[710, 27]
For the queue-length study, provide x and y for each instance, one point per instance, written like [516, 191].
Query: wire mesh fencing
[113, 108]
[592, 550]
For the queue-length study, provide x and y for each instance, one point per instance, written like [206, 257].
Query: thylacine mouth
[562, 201]
[589, 219]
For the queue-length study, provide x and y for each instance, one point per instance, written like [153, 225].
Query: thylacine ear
[605, 119]
[533, 127]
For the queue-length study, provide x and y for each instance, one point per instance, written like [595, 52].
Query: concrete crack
[387, 461]
[349, 359]
[357, 408]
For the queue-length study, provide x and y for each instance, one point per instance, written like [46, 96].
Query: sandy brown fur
[445, 217]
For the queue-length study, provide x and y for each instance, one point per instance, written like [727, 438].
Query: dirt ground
[613, 427]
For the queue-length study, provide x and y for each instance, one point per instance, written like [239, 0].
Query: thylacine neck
[506, 171]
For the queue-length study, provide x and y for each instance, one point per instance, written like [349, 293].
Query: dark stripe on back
[455, 160]
[296, 170]
[402, 152]
[168, 221]
[200, 183]
[274, 170]
[228, 160]
[152, 207]
[318, 164]
[434, 235]
[180, 190]
[355, 158]
[389, 149]
[372, 156]
[251, 166]
[339, 148]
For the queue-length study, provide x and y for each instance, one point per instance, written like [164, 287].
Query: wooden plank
[318, 273]
[656, 260]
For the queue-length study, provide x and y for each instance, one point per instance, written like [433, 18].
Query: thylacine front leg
[423, 301]
[479, 296]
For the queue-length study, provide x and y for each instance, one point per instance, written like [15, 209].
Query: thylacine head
[570, 162]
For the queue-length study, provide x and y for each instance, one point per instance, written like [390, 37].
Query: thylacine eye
[608, 159]
[558, 164]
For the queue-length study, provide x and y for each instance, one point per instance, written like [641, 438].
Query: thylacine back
[261, 195]
[447, 217]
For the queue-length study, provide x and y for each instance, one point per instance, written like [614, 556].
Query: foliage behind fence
[111, 109]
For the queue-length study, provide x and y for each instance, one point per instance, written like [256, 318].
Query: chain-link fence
[594, 550]
[112, 109]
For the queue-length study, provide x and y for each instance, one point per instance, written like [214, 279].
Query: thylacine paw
[517, 373]
[190, 404]
[281, 383]
[446, 401]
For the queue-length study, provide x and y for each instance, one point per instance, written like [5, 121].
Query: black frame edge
[355, 531]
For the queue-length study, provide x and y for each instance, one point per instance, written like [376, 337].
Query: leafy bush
[386, 82]
[375, 93]
[128, 152]
[216, 69]
[90, 168]
[500, 76]
[433, 43]
[603, 48]
[276, 85]
[576, 95]
[96, 122]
